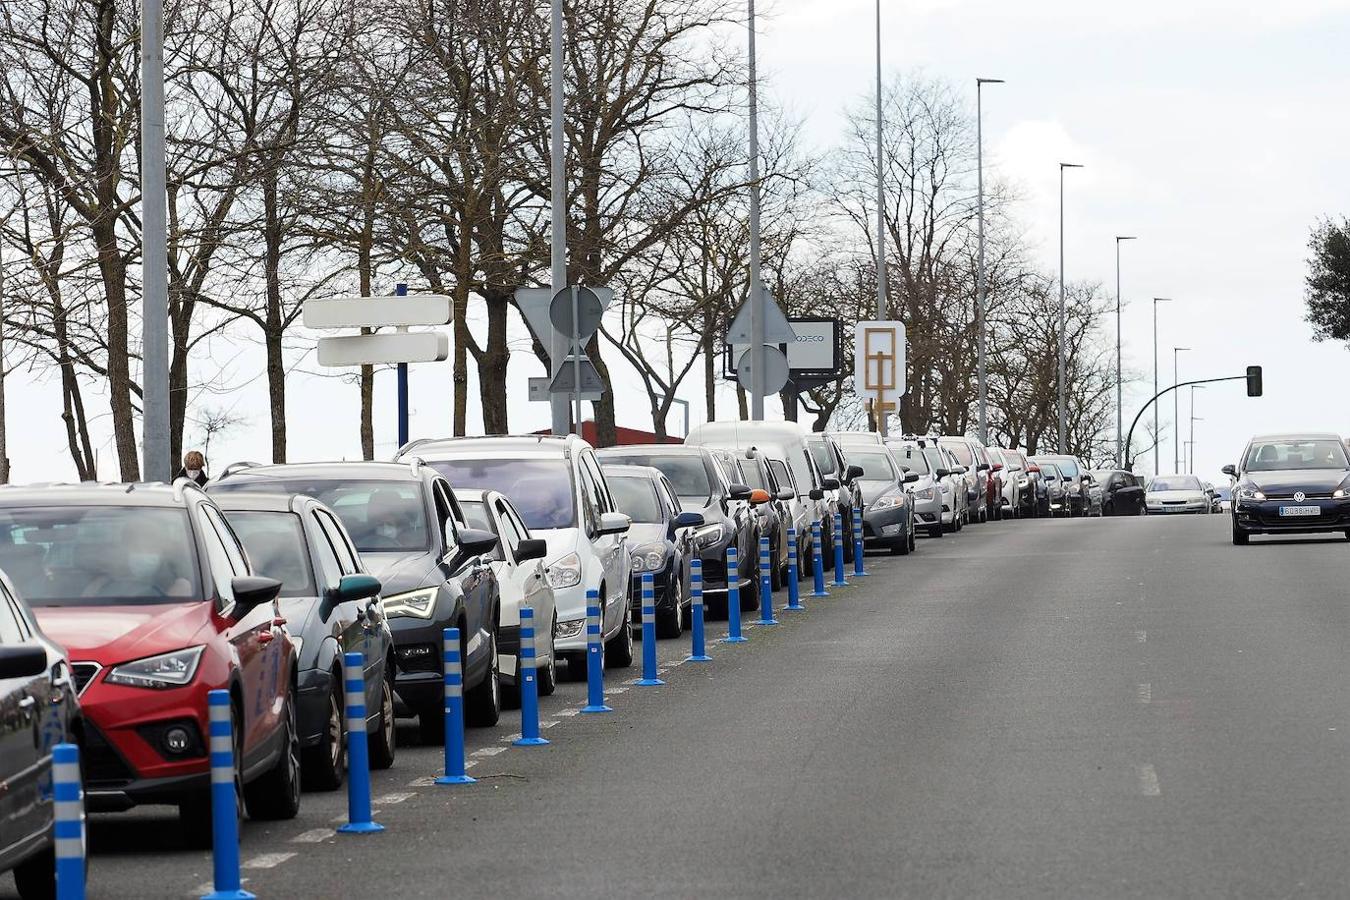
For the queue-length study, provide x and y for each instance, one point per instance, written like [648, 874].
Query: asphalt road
[1101, 708]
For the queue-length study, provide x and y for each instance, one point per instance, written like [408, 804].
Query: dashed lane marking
[1145, 693]
[1141, 636]
[567, 713]
[548, 723]
[487, 751]
[388, 799]
[314, 836]
[267, 860]
[1148, 780]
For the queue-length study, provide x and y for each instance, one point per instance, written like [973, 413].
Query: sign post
[879, 367]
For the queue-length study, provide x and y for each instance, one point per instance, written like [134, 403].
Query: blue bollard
[452, 679]
[734, 635]
[839, 551]
[858, 542]
[649, 677]
[595, 656]
[224, 808]
[697, 652]
[817, 562]
[765, 583]
[527, 682]
[358, 751]
[794, 595]
[68, 829]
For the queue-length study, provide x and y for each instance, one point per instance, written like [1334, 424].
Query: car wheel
[35, 877]
[276, 794]
[670, 622]
[483, 702]
[902, 548]
[194, 811]
[576, 667]
[431, 727]
[619, 649]
[937, 531]
[323, 767]
[1240, 537]
[547, 672]
[382, 741]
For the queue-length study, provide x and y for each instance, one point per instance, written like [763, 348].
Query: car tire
[35, 877]
[901, 549]
[194, 810]
[483, 702]
[547, 672]
[670, 622]
[1240, 537]
[619, 649]
[275, 795]
[775, 571]
[323, 767]
[937, 531]
[382, 739]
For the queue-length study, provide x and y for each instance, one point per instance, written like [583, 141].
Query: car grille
[1289, 495]
[103, 766]
[84, 673]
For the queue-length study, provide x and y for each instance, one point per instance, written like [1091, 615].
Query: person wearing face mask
[194, 467]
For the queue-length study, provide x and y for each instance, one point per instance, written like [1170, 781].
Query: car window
[477, 515]
[330, 568]
[275, 542]
[961, 451]
[875, 466]
[751, 475]
[13, 630]
[341, 543]
[604, 499]
[686, 471]
[1295, 453]
[218, 558]
[912, 458]
[509, 532]
[1175, 483]
[823, 455]
[541, 489]
[382, 516]
[636, 495]
[672, 499]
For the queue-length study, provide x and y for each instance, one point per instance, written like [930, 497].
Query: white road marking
[1148, 780]
[313, 836]
[511, 738]
[267, 860]
[388, 799]
[617, 690]
[487, 751]
[423, 781]
[1141, 636]
[548, 723]
[567, 713]
[1145, 693]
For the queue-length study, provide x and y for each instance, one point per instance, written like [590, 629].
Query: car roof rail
[237, 467]
[180, 487]
[415, 465]
[415, 442]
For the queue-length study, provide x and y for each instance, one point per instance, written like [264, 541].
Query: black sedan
[888, 510]
[1291, 484]
[1122, 492]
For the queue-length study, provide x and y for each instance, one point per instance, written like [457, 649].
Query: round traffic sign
[589, 312]
[775, 369]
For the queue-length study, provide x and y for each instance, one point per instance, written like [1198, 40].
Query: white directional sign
[384, 349]
[539, 391]
[376, 312]
[879, 363]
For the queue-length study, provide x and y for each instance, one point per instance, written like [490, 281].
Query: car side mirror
[475, 542]
[738, 491]
[1230, 470]
[982, 467]
[618, 523]
[252, 591]
[817, 494]
[830, 483]
[758, 497]
[531, 548]
[689, 520]
[996, 467]
[357, 587]
[942, 473]
[854, 472]
[960, 470]
[786, 494]
[1034, 468]
[26, 660]
[909, 478]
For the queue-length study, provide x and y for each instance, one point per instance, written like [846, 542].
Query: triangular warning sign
[776, 327]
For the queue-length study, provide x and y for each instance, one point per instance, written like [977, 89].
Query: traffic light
[1253, 381]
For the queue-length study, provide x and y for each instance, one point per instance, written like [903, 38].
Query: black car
[662, 542]
[727, 518]
[839, 481]
[435, 572]
[1122, 492]
[888, 509]
[332, 606]
[38, 710]
[775, 514]
[1291, 484]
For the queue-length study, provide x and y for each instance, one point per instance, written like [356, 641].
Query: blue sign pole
[858, 542]
[649, 675]
[839, 551]
[765, 583]
[68, 827]
[224, 802]
[359, 819]
[526, 681]
[401, 290]
[817, 562]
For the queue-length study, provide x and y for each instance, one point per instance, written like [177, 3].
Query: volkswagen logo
[1299, 496]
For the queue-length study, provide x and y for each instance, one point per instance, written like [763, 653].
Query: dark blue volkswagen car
[1291, 484]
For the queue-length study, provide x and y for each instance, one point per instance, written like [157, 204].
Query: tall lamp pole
[1176, 414]
[559, 344]
[154, 251]
[1157, 437]
[1060, 375]
[980, 286]
[756, 294]
[883, 312]
[1120, 424]
[1190, 466]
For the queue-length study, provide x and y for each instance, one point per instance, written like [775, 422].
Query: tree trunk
[273, 329]
[113, 272]
[460, 367]
[492, 366]
[709, 365]
[180, 323]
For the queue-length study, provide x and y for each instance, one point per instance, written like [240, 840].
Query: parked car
[857, 438]
[331, 605]
[775, 515]
[949, 483]
[1074, 475]
[832, 461]
[663, 542]
[925, 490]
[556, 485]
[1223, 498]
[1054, 487]
[764, 519]
[1094, 495]
[728, 520]
[1122, 492]
[958, 477]
[1028, 482]
[38, 710]
[970, 454]
[1168, 494]
[153, 596]
[1291, 484]
[435, 572]
[517, 563]
[888, 510]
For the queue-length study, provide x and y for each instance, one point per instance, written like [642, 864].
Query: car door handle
[27, 703]
[265, 637]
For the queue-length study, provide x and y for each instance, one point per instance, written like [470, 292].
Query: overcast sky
[1215, 131]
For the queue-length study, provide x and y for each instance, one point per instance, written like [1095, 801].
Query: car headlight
[1338, 494]
[564, 630]
[927, 493]
[1250, 493]
[1073, 488]
[565, 571]
[168, 670]
[298, 643]
[420, 603]
[708, 535]
[649, 558]
[1023, 482]
[889, 501]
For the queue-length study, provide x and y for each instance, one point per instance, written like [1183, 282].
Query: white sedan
[1167, 494]
[518, 564]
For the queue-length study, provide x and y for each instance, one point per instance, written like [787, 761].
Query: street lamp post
[1157, 438]
[1060, 375]
[1120, 436]
[883, 313]
[980, 286]
[756, 294]
[1191, 466]
[1176, 414]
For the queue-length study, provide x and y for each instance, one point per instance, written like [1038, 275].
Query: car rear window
[686, 472]
[539, 489]
[961, 450]
[912, 458]
[635, 497]
[382, 516]
[100, 555]
[275, 542]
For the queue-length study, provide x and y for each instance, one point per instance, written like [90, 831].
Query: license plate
[1300, 510]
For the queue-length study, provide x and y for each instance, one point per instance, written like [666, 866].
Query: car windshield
[875, 466]
[935, 460]
[1272, 456]
[1175, 483]
[1049, 471]
[100, 555]
[823, 455]
[540, 489]
[754, 478]
[1068, 466]
[275, 542]
[476, 515]
[780, 472]
[635, 496]
[961, 451]
[686, 472]
[382, 516]
[912, 459]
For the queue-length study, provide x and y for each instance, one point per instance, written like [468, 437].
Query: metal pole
[154, 250]
[401, 290]
[1190, 467]
[575, 339]
[558, 345]
[1157, 437]
[1176, 412]
[980, 276]
[1120, 424]
[883, 312]
[756, 294]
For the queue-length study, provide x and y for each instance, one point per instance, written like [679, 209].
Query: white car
[556, 485]
[518, 564]
[1168, 494]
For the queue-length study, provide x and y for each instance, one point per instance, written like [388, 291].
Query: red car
[152, 595]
